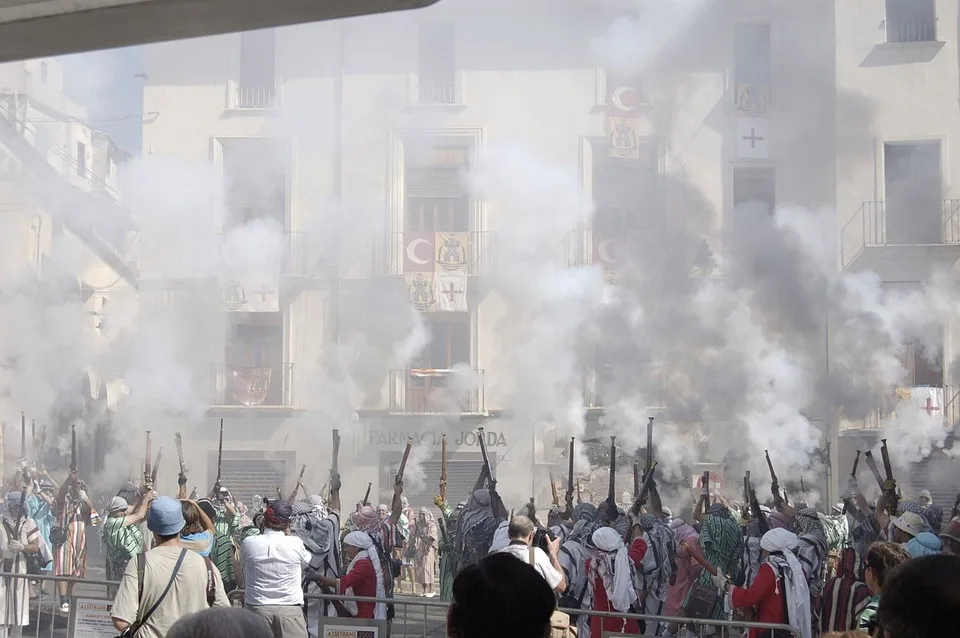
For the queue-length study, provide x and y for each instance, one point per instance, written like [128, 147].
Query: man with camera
[522, 532]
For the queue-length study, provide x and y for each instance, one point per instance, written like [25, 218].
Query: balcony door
[449, 346]
[912, 183]
[254, 368]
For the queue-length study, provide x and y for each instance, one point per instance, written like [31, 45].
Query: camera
[542, 537]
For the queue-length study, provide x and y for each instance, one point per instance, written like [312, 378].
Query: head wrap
[923, 544]
[363, 542]
[366, 519]
[585, 512]
[667, 512]
[278, 514]
[722, 543]
[683, 532]
[781, 543]
[476, 523]
[612, 563]
[718, 509]
[953, 530]
[117, 504]
[778, 520]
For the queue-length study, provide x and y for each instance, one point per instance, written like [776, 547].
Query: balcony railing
[885, 414]
[869, 227]
[434, 92]
[255, 98]
[902, 31]
[436, 391]
[252, 386]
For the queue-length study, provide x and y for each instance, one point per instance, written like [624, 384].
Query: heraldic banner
[436, 271]
[251, 292]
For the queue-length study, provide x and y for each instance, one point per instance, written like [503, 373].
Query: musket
[279, 493]
[803, 490]
[147, 471]
[553, 491]
[758, 513]
[335, 458]
[579, 495]
[23, 436]
[890, 485]
[872, 464]
[296, 488]
[853, 473]
[398, 480]
[179, 442]
[746, 488]
[443, 468]
[193, 494]
[705, 479]
[73, 449]
[700, 559]
[649, 444]
[366, 497]
[156, 466]
[612, 484]
[496, 503]
[33, 434]
[569, 497]
[636, 479]
[216, 483]
[774, 483]
[645, 487]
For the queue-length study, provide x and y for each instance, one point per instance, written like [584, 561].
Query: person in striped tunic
[74, 512]
[121, 535]
[226, 523]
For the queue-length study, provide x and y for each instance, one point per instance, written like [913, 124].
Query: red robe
[768, 596]
[599, 625]
[363, 579]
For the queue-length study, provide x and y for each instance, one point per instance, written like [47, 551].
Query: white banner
[451, 291]
[752, 139]
[254, 292]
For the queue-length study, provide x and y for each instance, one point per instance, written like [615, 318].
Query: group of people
[786, 565]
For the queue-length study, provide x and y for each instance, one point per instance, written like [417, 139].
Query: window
[437, 73]
[626, 191]
[81, 159]
[254, 373]
[911, 21]
[43, 72]
[755, 186]
[752, 65]
[623, 92]
[913, 190]
[436, 200]
[449, 343]
[923, 368]
[255, 176]
[258, 69]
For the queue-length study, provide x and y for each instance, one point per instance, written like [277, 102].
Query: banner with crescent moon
[622, 125]
[436, 270]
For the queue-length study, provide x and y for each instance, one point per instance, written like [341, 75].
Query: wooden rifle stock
[156, 466]
[366, 497]
[398, 480]
[700, 559]
[872, 464]
[296, 487]
[569, 495]
[443, 468]
[553, 491]
[179, 443]
[216, 484]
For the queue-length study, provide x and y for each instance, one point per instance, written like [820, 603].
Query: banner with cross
[436, 270]
[252, 291]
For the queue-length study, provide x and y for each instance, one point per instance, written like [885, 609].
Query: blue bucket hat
[165, 517]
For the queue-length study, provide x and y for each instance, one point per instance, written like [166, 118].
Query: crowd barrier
[413, 617]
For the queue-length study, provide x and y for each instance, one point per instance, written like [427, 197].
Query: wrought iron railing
[436, 391]
[437, 92]
[252, 386]
[868, 227]
[902, 31]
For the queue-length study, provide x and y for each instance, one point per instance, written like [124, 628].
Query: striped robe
[15, 592]
[222, 556]
[722, 543]
[845, 596]
[122, 542]
[71, 557]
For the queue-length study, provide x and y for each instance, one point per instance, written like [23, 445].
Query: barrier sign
[90, 618]
[351, 628]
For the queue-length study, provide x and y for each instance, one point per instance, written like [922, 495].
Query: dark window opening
[912, 182]
[755, 186]
[911, 21]
[436, 64]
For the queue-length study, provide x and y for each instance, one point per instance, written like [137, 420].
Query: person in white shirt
[521, 530]
[273, 566]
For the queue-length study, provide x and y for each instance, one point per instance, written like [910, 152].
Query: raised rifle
[569, 498]
[637, 480]
[758, 513]
[366, 496]
[774, 483]
[443, 468]
[553, 491]
[23, 437]
[956, 507]
[147, 471]
[705, 480]
[296, 488]
[33, 435]
[335, 459]
[649, 445]
[645, 486]
[890, 485]
[398, 479]
[612, 484]
[496, 503]
[853, 473]
[156, 466]
[179, 442]
[803, 490]
[746, 488]
[216, 483]
[73, 449]
[872, 464]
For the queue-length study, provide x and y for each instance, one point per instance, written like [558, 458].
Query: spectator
[364, 578]
[906, 526]
[273, 566]
[921, 599]
[950, 538]
[882, 557]
[923, 544]
[172, 583]
[221, 623]
[521, 531]
[500, 597]
[198, 531]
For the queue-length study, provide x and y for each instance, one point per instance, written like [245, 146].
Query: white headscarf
[785, 542]
[363, 541]
[612, 563]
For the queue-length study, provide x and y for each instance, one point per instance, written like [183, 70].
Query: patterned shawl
[722, 545]
[844, 597]
[663, 543]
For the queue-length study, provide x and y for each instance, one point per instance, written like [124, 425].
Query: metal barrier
[45, 615]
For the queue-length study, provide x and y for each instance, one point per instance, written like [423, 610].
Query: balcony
[397, 253]
[252, 387]
[434, 391]
[945, 407]
[866, 243]
[308, 257]
[659, 390]
[250, 98]
[437, 92]
[906, 31]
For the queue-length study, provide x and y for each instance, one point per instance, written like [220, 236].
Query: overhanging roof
[38, 28]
